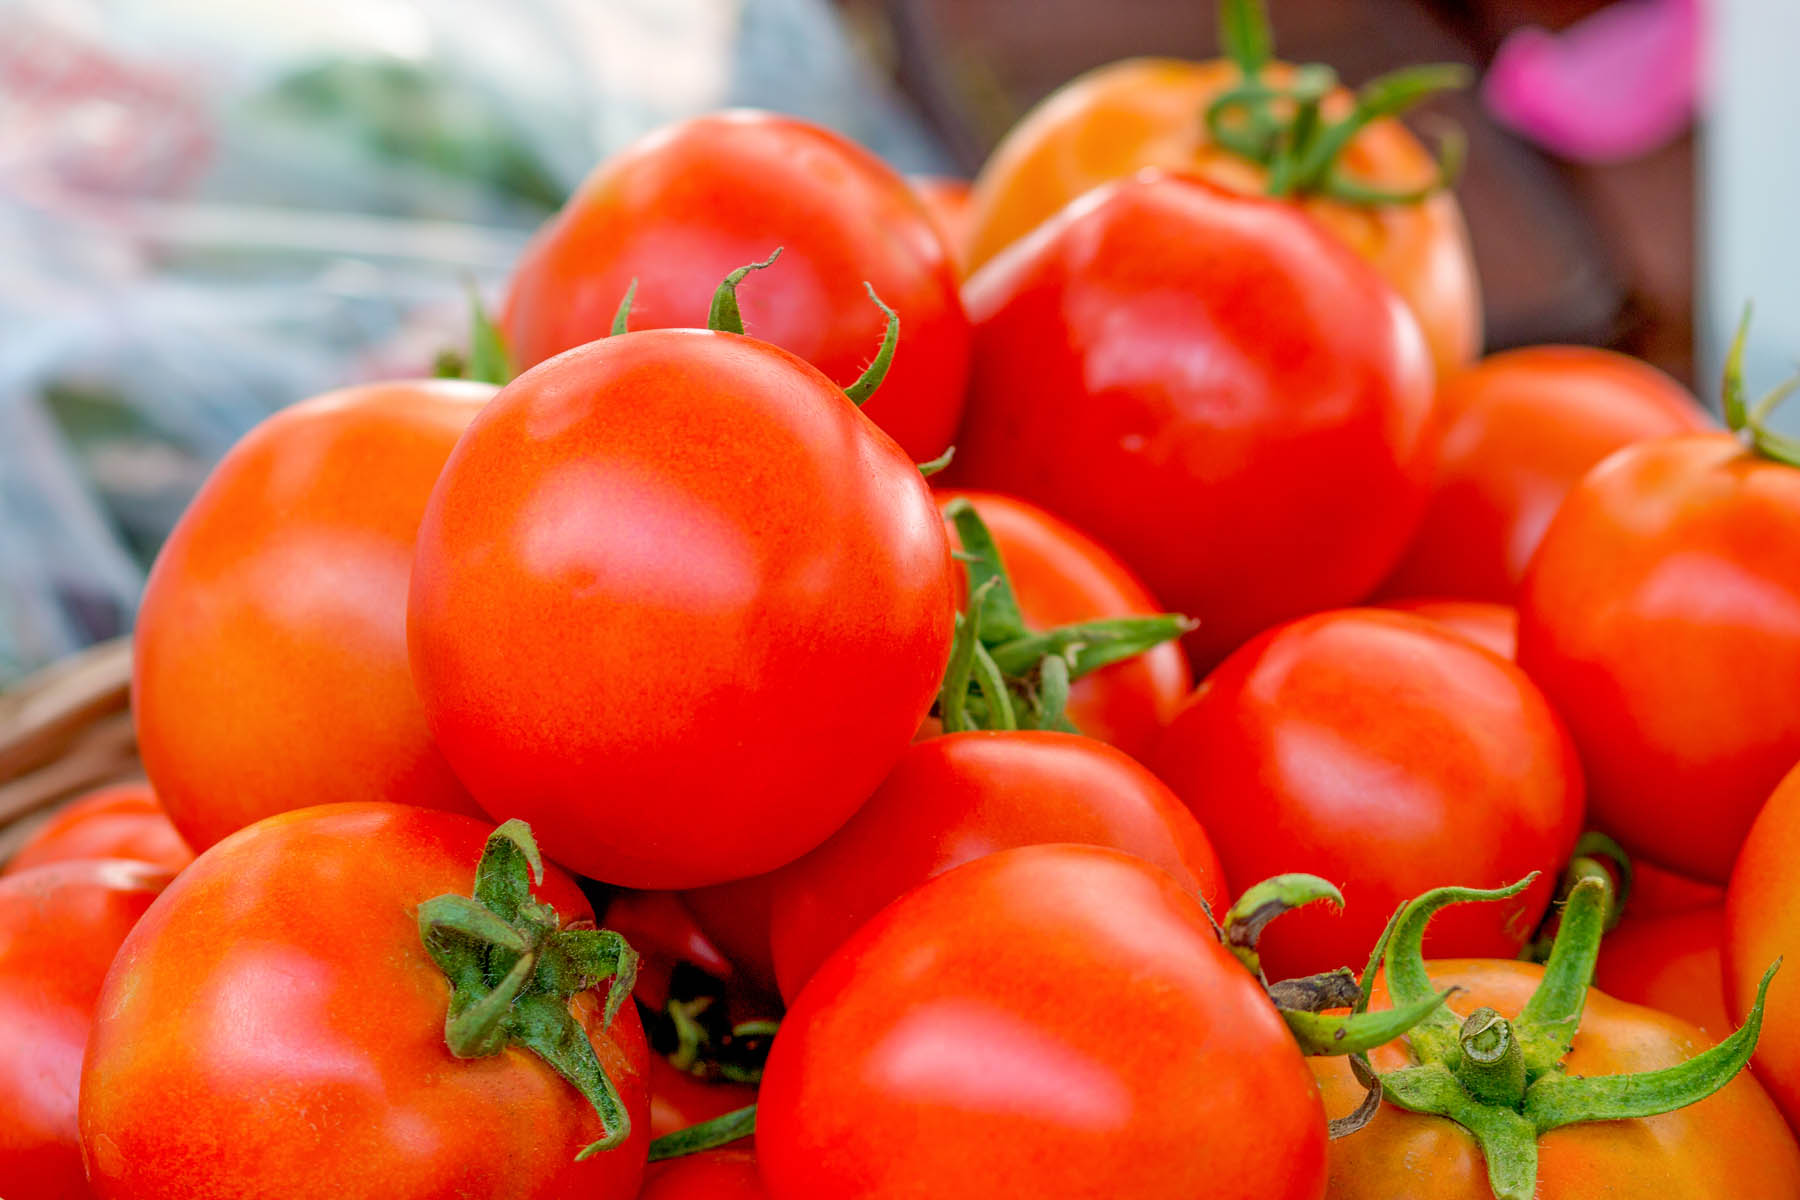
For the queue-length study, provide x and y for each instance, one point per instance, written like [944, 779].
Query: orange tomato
[1763, 922]
[125, 821]
[1148, 112]
[1670, 962]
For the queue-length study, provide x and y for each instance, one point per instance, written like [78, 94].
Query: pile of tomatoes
[878, 689]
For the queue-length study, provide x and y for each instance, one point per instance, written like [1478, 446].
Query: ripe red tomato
[1657, 892]
[668, 560]
[986, 1034]
[281, 994]
[1670, 963]
[678, 1100]
[950, 205]
[1661, 615]
[1762, 921]
[1491, 626]
[663, 932]
[270, 668]
[124, 821]
[1060, 576]
[1731, 1144]
[1390, 756]
[1520, 429]
[959, 797]
[725, 1174]
[687, 204]
[735, 916]
[1193, 377]
[60, 925]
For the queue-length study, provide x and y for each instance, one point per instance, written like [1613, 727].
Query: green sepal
[1357, 1032]
[1749, 422]
[1001, 620]
[724, 316]
[932, 466]
[877, 370]
[1508, 1141]
[489, 359]
[1091, 645]
[1261, 903]
[1435, 1039]
[1546, 1027]
[708, 1135]
[621, 322]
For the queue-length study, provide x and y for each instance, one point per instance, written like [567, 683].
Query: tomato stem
[724, 316]
[1493, 1065]
[877, 370]
[1750, 422]
[708, 1135]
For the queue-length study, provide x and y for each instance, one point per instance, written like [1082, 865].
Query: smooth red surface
[1046, 1021]
[1061, 576]
[1670, 963]
[270, 669]
[735, 916]
[273, 1029]
[1731, 1144]
[114, 822]
[679, 605]
[1389, 756]
[1656, 891]
[663, 932]
[1215, 389]
[1520, 429]
[950, 204]
[679, 209]
[60, 925]
[1661, 616]
[956, 798]
[1491, 626]
[1762, 923]
[726, 1174]
[678, 1100]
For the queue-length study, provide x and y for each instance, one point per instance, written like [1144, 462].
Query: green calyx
[1750, 421]
[1004, 675]
[1595, 856]
[488, 359]
[1284, 130]
[1503, 1080]
[708, 1135]
[513, 969]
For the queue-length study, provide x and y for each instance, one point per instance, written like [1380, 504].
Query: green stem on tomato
[708, 1135]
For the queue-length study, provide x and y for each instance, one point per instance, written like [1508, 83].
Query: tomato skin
[735, 916]
[725, 1174]
[1731, 1144]
[1061, 576]
[1762, 923]
[1389, 756]
[1493, 627]
[747, 579]
[987, 1033]
[682, 207]
[124, 821]
[280, 989]
[950, 203]
[956, 798]
[678, 1100]
[1520, 429]
[60, 925]
[1167, 365]
[270, 670]
[1670, 963]
[663, 932]
[1659, 617]
[1147, 112]
[1657, 892]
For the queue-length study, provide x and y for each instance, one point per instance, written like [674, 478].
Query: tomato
[1657, 892]
[679, 1100]
[1661, 615]
[1061, 577]
[1388, 755]
[964, 795]
[124, 821]
[647, 645]
[1169, 366]
[1731, 1144]
[1491, 626]
[663, 932]
[987, 1034]
[726, 1174]
[60, 925]
[680, 208]
[1520, 429]
[281, 995]
[1670, 963]
[1148, 112]
[735, 916]
[270, 670]
[1761, 923]
[950, 203]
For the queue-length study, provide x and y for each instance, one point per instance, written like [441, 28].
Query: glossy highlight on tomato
[123, 821]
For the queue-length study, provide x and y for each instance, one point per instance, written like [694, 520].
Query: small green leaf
[1546, 1028]
[1434, 1040]
[621, 322]
[871, 378]
[489, 360]
[1001, 620]
[1357, 1033]
[709, 1135]
[932, 466]
[724, 316]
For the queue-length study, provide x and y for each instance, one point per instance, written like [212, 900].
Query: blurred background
[212, 208]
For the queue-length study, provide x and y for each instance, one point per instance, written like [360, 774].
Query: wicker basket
[64, 731]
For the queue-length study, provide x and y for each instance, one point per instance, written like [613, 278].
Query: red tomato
[726, 1174]
[989, 1034]
[1060, 576]
[959, 797]
[280, 997]
[1196, 379]
[610, 621]
[124, 821]
[1661, 616]
[60, 926]
[1491, 626]
[687, 204]
[1670, 963]
[1520, 429]
[951, 206]
[663, 932]
[1390, 756]
[1656, 892]
[735, 916]
[1763, 922]
[271, 667]
[679, 1100]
